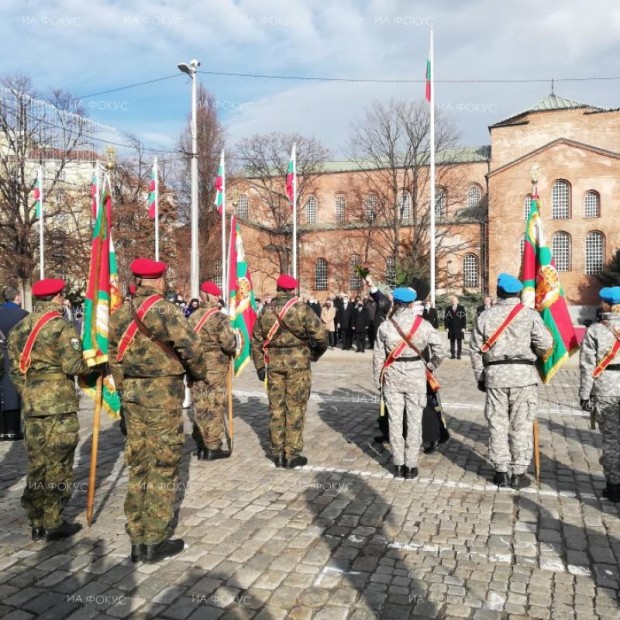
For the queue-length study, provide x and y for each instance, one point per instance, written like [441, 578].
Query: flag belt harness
[407, 359]
[24, 358]
[205, 317]
[276, 326]
[500, 330]
[605, 363]
[498, 362]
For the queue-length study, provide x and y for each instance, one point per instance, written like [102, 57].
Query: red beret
[132, 289]
[286, 282]
[211, 288]
[147, 268]
[51, 286]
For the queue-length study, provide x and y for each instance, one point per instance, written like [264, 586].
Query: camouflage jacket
[525, 339]
[299, 340]
[58, 350]
[403, 376]
[144, 358]
[217, 338]
[597, 342]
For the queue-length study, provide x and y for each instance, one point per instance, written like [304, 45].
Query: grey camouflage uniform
[404, 385]
[511, 392]
[604, 391]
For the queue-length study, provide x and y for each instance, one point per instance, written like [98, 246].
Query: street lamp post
[194, 254]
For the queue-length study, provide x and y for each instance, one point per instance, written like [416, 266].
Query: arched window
[370, 207]
[595, 252]
[470, 271]
[355, 282]
[242, 207]
[522, 246]
[404, 204]
[341, 207]
[390, 270]
[320, 275]
[311, 210]
[441, 199]
[561, 251]
[527, 206]
[474, 196]
[592, 204]
[560, 200]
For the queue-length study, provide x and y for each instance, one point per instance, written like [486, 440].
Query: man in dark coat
[11, 313]
[344, 320]
[455, 322]
[359, 325]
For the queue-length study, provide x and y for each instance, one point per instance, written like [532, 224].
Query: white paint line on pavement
[333, 570]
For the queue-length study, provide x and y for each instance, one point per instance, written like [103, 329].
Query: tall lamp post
[194, 283]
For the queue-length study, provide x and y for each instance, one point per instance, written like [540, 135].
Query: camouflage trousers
[405, 451]
[288, 392]
[50, 445]
[153, 447]
[210, 399]
[510, 413]
[608, 417]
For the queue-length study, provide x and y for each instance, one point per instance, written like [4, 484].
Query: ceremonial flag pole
[430, 97]
[153, 204]
[220, 203]
[291, 190]
[38, 195]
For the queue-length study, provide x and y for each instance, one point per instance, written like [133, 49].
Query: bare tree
[390, 146]
[263, 160]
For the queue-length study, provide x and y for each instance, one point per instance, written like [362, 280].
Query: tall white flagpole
[41, 228]
[294, 158]
[432, 167]
[156, 179]
[225, 267]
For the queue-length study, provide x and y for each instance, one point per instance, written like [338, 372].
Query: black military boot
[501, 479]
[64, 530]
[296, 461]
[137, 552]
[399, 471]
[200, 446]
[37, 532]
[612, 492]
[214, 455]
[432, 446]
[409, 473]
[519, 481]
[163, 550]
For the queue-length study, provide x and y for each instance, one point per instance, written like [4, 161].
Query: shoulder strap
[276, 326]
[610, 355]
[24, 358]
[204, 318]
[493, 339]
[130, 333]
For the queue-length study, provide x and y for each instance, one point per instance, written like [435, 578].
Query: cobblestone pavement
[340, 538]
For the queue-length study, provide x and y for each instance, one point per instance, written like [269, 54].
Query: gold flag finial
[534, 170]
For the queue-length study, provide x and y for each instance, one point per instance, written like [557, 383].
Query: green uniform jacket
[302, 337]
[144, 358]
[57, 349]
[217, 338]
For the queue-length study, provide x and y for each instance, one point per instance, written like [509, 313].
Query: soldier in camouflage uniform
[49, 405]
[149, 369]
[299, 339]
[601, 342]
[404, 381]
[508, 374]
[211, 396]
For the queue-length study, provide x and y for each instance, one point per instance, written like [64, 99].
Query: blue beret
[404, 295]
[610, 295]
[509, 284]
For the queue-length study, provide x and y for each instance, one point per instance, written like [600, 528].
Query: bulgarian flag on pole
[152, 199]
[428, 80]
[94, 191]
[219, 185]
[102, 298]
[543, 292]
[291, 172]
[37, 194]
[242, 304]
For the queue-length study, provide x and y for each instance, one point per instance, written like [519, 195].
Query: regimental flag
[543, 292]
[152, 199]
[219, 185]
[102, 298]
[94, 191]
[37, 194]
[428, 80]
[242, 304]
[290, 178]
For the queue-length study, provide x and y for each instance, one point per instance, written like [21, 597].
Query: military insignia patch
[75, 343]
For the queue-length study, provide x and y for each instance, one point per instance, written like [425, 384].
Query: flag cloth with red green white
[242, 303]
[93, 194]
[102, 298]
[152, 194]
[36, 194]
[428, 80]
[290, 181]
[543, 292]
[219, 186]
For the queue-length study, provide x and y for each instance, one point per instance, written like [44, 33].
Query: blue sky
[92, 47]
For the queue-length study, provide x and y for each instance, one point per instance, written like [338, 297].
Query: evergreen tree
[610, 276]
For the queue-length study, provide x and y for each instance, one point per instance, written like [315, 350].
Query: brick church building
[481, 208]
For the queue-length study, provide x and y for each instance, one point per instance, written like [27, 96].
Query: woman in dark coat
[10, 403]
